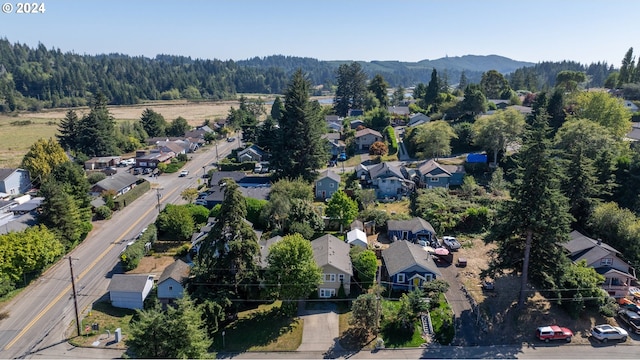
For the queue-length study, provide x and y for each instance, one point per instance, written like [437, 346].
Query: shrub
[254, 209]
[128, 197]
[303, 229]
[391, 138]
[95, 177]
[131, 256]
[103, 212]
[183, 250]
[215, 211]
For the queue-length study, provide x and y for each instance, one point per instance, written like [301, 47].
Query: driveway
[320, 328]
[465, 323]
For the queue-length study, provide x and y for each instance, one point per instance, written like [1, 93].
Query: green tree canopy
[153, 123]
[365, 312]
[176, 221]
[351, 88]
[43, 156]
[604, 109]
[365, 265]
[342, 208]
[179, 126]
[96, 135]
[379, 87]
[497, 131]
[292, 272]
[431, 140]
[493, 84]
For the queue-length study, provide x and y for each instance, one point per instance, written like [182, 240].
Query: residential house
[27, 206]
[432, 174]
[119, 183]
[410, 230]
[264, 249]
[357, 237]
[399, 110]
[418, 119]
[177, 146]
[153, 158]
[366, 137]
[630, 105]
[327, 184]
[355, 112]
[604, 259]
[355, 123]
[332, 118]
[216, 194]
[251, 153]
[407, 266]
[172, 281]
[99, 163]
[634, 134]
[335, 126]
[336, 145]
[332, 256]
[14, 181]
[129, 291]
[389, 181]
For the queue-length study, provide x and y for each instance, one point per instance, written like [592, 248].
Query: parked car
[231, 139]
[137, 171]
[607, 332]
[451, 243]
[147, 171]
[110, 171]
[201, 201]
[554, 332]
[342, 157]
[184, 173]
[630, 318]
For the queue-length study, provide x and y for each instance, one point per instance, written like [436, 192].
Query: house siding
[365, 141]
[16, 183]
[129, 299]
[414, 277]
[325, 184]
[413, 237]
[170, 289]
[334, 284]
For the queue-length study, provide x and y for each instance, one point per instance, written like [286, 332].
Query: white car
[451, 243]
[184, 173]
[604, 333]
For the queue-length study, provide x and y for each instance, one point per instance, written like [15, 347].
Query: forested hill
[34, 78]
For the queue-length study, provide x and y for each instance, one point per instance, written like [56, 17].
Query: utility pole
[159, 196]
[75, 297]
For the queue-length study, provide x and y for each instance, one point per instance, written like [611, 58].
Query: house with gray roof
[389, 181]
[418, 119]
[604, 259]
[407, 266]
[412, 230]
[120, 183]
[432, 174]
[251, 153]
[265, 244]
[14, 181]
[366, 137]
[171, 284]
[129, 291]
[332, 256]
[327, 184]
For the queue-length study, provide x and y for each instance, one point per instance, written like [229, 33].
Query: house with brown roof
[171, 284]
[366, 137]
[606, 260]
[332, 256]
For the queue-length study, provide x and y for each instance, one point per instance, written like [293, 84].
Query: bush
[131, 256]
[391, 138]
[183, 250]
[95, 177]
[254, 209]
[128, 197]
[609, 308]
[215, 211]
[235, 166]
[103, 212]
[303, 229]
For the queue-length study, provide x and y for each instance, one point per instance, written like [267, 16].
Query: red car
[554, 332]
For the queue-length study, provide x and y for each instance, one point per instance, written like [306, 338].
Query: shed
[129, 291]
[357, 237]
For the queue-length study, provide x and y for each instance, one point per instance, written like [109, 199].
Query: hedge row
[131, 256]
[244, 166]
[391, 137]
[128, 197]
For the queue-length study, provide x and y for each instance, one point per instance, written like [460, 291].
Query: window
[170, 288]
[319, 183]
[400, 278]
[606, 261]
[330, 185]
[434, 179]
[340, 277]
[329, 277]
[327, 293]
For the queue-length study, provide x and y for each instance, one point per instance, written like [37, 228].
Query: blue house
[407, 266]
[431, 174]
[411, 230]
[327, 184]
[14, 181]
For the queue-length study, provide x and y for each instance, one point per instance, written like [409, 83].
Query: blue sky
[405, 30]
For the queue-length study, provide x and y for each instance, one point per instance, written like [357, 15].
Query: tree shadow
[260, 329]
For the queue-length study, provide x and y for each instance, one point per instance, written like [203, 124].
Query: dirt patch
[502, 322]
[153, 265]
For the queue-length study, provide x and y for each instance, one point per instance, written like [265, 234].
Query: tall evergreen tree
[301, 150]
[351, 89]
[228, 254]
[378, 86]
[153, 123]
[462, 84]
[531, 225]
[68, 130]
[97, 130]
[277, 109]
[431, 95]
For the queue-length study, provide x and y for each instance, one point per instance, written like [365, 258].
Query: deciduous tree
[342, 208]
[496, 132]
[605, 110]
[42, 158]
[176, 221]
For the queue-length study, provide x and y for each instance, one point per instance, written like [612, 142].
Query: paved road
[40, 315]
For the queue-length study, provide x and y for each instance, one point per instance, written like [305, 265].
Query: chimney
[599, 241]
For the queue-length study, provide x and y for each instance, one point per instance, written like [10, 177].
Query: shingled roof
[402, 255]
[329, 250]
[178, 271]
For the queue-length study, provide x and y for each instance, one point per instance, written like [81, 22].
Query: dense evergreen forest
[35, 78]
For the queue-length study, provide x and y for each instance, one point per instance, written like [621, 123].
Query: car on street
[605, 332]
[553, 332]
[184, 173]
[632, 319]
[201, 201]
[231, 139]
[451, 243]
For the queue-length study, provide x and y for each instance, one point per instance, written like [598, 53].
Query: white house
[129, 291]
[172, 280]
[357, 237]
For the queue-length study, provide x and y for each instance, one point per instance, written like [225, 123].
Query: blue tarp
[477, 158]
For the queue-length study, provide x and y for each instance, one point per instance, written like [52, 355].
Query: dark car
[231, 139]
[631, 318]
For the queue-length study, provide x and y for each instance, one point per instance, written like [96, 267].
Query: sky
[585, 31]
